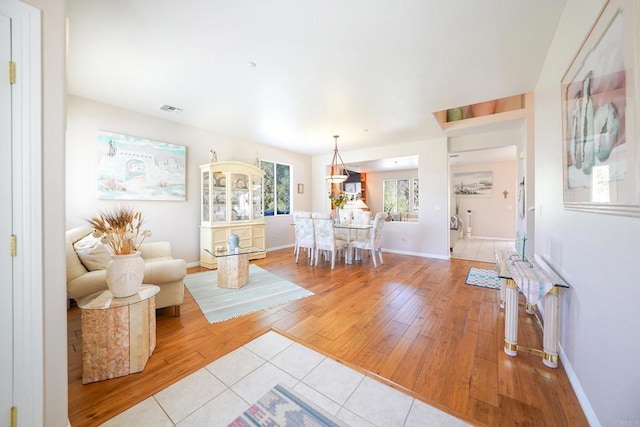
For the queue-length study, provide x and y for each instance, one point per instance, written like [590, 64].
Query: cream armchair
[160, 269]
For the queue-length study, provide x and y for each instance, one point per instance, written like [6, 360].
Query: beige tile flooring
[216, 394]
[478, 249]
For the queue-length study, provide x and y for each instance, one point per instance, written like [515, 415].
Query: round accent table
[118, 334]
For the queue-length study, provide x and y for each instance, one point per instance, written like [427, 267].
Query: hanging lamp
[337, 175]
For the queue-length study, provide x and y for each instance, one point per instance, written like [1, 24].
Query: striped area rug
[282, 406]
[264, 290]
[483, 277]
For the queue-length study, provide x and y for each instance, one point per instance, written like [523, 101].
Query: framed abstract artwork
[133, 168]
[601, 159]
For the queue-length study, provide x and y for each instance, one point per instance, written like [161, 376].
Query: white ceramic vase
[124, 274]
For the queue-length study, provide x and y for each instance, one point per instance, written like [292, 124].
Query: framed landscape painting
[473, 183]
[599, 113]
[133, 168]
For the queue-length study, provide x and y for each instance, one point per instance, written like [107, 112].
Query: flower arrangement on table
[120, 229]
[338, 200]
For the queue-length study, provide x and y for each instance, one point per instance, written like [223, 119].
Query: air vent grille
[171, 109]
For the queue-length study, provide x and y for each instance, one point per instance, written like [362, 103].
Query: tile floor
[219, 392]
[478, 249]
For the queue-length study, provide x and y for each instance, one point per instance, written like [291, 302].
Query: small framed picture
[350, 187]
[300, 188]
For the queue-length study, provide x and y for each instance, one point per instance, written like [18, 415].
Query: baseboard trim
[508, 239]
[277, 248]
[573, 378]
[418, 254]
[579, 391]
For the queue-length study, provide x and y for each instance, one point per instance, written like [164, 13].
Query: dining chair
[326, 239]
[373, 243]
[320, 214]
[305, 237]
[295, 215]
[363, 218]
[345, 216]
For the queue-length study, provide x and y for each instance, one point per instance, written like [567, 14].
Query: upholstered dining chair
[295, 215]
[345, 216]
[373, 243]
[326, 239]
[320, 215]
[362, 217]
[305, 237]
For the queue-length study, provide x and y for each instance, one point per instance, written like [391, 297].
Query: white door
[6, 263]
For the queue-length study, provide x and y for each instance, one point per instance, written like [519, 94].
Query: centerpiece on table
[120, 229]
[338, 200]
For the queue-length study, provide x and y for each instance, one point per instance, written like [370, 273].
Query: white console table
[537, 282]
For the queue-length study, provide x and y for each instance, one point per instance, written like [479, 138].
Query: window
[277, 188]
[400, 196]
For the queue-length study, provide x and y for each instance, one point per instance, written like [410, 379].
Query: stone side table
[118, 334]
[233, 267]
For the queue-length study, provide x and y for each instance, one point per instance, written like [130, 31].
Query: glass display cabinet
[231, 203]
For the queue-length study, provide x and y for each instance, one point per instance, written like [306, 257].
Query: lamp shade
[336, 177]
[357, 204]
[361, 205]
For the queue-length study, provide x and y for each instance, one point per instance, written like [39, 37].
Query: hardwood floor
[411, 321]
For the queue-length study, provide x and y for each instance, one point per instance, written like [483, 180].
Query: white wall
[486, 140]
[429, 237]
[177, 222]
[596, 254]
[494, 216]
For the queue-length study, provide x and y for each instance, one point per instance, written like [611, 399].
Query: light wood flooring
[411, 322]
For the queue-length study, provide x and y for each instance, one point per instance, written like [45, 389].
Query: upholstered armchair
[86, 275]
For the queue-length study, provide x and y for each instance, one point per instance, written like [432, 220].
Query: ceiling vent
[171, 109]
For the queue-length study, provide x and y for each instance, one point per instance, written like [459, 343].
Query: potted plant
[338, 200]
[120, 229]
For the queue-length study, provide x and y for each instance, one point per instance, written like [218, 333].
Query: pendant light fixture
[338, 174]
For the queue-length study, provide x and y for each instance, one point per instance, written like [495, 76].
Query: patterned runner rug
[483, 277]
[282, 406]
[264, 290]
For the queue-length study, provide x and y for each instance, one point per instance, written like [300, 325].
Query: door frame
[28, 342]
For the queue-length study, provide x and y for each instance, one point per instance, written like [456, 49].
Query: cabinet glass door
[239, 197]
[219, 196]
[205, 197]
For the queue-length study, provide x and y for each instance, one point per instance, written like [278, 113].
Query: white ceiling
[372, 71]
[489, 155]
[388, 164]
